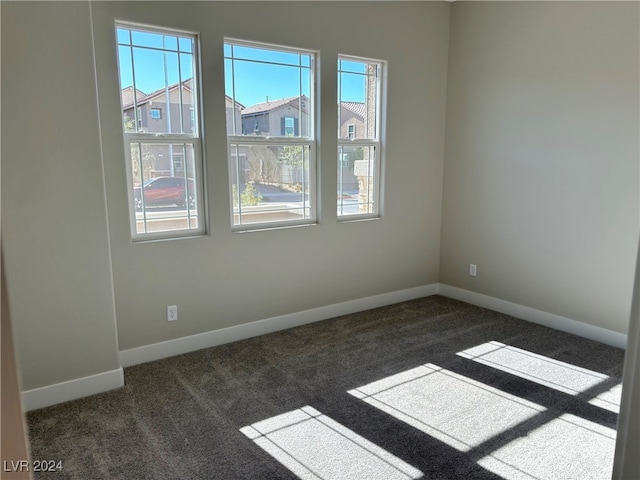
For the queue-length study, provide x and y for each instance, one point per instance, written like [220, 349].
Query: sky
[259, 74]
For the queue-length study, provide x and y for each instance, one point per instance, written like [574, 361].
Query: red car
[166, 191]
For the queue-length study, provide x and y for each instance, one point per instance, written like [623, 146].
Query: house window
[359, 156]
[164, 161]
[345, 160]
[272, 171]
[289, 126]
[178, 164]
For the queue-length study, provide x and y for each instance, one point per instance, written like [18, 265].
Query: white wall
[541, 167]
[54, 224]
[61, 246]
[225, 279]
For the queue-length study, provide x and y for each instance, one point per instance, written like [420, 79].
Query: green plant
[249, 197]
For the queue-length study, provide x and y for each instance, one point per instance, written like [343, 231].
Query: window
[359, 147]
[271, 137]
[289, 126]
[158, 67]
[178, 164]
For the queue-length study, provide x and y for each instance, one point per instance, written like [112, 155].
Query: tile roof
[127, 94]
[268, 106]
[154, 94]
[357, 108]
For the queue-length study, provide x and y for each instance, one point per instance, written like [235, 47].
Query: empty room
[320, 240]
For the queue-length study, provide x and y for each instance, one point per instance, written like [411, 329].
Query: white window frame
[193, 139]
[192, 118]
[375, 143]
[234, 141]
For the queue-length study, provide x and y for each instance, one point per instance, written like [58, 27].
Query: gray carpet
[432, 388]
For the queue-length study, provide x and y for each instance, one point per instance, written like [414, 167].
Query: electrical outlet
[172, 313]
[473, 269]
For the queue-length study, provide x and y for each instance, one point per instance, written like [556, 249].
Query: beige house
[285, 117]
[352, 120]
[168, 110]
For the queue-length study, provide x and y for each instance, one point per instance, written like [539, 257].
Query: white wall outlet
[172, 313]
[473, 269]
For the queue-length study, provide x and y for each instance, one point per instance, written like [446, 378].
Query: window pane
[170, 42]
[123, 36]
[267, 103]
[349, 66]
[357, 180]
[146, 39]
[268, 55]
[186, 44]
[267, 86]
[162, 78]
[358, 98]
[270, 183]
[186, 65]
[164, 188]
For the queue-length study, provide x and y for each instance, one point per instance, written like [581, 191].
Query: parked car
[166, 191]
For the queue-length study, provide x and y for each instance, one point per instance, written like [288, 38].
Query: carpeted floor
[432, 388]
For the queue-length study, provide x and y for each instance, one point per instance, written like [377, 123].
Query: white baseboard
[564, 324]
[72, 389]
[102, 382]
[178, 346]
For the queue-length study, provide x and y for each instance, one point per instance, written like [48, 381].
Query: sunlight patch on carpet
[609, 400]
[568, 447]
[551, 373]
[315, 447]
[452, 408]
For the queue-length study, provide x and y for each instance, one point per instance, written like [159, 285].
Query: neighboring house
[160, 111]
[352, 126]
[128, 95]
[291, 117]
[352, 120]
[285, 117]
[233, 110]
[167, 110]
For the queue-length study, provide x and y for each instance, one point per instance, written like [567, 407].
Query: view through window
[159, 99]
[359, 83]
[271, 134]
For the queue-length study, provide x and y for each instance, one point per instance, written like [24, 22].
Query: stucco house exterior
[285, 117]
[168, 110]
